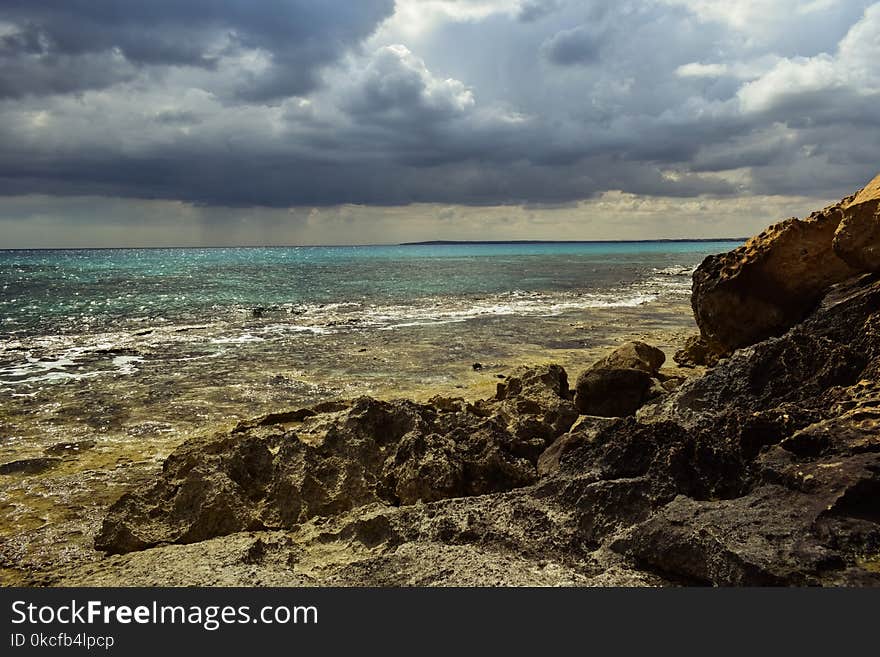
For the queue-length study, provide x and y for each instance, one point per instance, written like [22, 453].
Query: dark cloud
[177, 117]
[299, 36]
[544, 103]
[575, 46]
[396, 88]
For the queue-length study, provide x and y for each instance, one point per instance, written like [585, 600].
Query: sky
[242, 122]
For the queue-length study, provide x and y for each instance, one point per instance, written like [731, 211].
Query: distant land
[459, 242]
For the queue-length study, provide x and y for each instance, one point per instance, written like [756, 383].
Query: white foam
[239, 339]
[676, 270]
[127, 364]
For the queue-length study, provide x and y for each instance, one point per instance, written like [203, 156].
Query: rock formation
[285, 468]
[857, 240]
[767, 285]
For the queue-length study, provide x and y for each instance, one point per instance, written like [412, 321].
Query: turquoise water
[80, 328]
[87, 290]
[133, 348]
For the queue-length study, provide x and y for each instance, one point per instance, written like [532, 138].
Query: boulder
[765, 286]
[857, 239]
[533, 395]
[634, 355]
[612, 392]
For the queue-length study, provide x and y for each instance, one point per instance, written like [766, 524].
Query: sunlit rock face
[857, 240]
[765, 286]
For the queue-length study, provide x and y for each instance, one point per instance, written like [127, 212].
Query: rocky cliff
[767, 285]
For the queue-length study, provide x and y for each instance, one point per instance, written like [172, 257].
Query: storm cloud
[307, 103]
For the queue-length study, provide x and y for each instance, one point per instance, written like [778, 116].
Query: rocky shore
[764, 470]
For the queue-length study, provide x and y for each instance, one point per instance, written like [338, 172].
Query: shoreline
[51, 517]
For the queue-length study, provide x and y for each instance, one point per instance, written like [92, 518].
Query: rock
[583, 431]
[767, 285]
[538, 393]
[429, 467]
[772, 536]
[793, 372]
[695, 353]
[263, 474]
[857, 239]
[634, 355]
[207, 488]
[29, 466]
[477, 367]
[612, 392]
[618, 384]
[672, 383]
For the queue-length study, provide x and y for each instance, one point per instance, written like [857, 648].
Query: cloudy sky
[333, 121]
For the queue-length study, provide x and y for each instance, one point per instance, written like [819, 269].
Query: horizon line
[373, 244]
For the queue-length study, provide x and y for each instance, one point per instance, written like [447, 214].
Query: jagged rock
[672, 383]
[584, 430]
[206, 489]
[828, 351]
[857, 239]
[540, 393]
[774, 535]
[284, 468]
[612, 392]
[633, 355]
[767, 285]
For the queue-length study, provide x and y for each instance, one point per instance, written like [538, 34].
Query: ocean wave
[675, 270]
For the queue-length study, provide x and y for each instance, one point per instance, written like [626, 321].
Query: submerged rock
[68, 449]
[30, 466]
